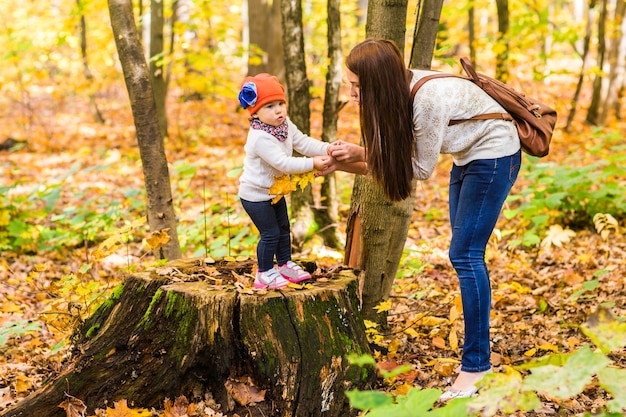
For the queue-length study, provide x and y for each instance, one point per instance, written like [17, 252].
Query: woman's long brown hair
[386, 114]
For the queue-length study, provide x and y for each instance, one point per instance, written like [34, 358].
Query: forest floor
[540, 295]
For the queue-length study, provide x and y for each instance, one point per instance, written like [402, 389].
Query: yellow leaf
[605, 224]
[305, 179]
[454, 314]
[411, 332]
[556, 236]
[530, 352]
[370, 324]
[121, 410]
[383, 306]
[403, 389]
[454, 340]
[229, 259]
[158, 239]
[282, 185]
[432, 321]
[23, 384]
[549, 347]
[458, 303]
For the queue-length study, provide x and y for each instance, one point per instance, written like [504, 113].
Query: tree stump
[178, 330]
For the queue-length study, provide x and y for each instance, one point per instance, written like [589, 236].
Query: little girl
[269, 154]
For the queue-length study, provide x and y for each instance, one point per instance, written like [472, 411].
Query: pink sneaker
[270, 279]
[293, 272]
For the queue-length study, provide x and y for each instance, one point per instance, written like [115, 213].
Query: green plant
[17, 328]
[50, 217]
[560, 376]
[568, 194]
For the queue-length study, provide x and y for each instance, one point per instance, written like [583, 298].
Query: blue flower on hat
[248, 95]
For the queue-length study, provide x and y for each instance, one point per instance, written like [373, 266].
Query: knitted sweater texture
[443, 99]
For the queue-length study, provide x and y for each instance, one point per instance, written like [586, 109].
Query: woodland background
[71, 179]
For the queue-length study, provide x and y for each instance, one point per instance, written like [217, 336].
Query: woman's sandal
[453, 393]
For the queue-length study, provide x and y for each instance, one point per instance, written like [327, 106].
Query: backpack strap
[422, 80]
[485, 116]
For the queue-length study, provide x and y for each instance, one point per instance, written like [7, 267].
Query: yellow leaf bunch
[285, 184]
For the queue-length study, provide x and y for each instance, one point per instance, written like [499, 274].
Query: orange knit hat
[259, 90]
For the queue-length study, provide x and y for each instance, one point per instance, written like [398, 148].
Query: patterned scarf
[280, 132]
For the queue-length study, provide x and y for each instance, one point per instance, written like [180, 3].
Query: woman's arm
[346, 152]
[351, 167]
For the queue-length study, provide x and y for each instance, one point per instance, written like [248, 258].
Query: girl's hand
[321, 163]
[346, 152]
[336, 165]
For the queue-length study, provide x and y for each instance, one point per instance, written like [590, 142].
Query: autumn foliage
[72, 211]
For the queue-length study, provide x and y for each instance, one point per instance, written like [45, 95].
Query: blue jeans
[272, 220]
[477, 193]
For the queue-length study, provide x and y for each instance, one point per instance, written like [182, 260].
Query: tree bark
[584, 53]
[160, 208]
[93, 104]
[168, 333]
[593, 112]
[383, 227]
[426, 30]
[387, 19]
[615, 58]
[326, 212]
[502, 57]
[383, 224]
[157, 69]
[265, 38]
[299, 99]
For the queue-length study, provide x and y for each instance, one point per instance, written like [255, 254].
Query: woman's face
[355, 91]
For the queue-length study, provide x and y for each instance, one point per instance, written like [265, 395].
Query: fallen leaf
[121, 410]
[439, 342]
[243, 391]
[73, 406]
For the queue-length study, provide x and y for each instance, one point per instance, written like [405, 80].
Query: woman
[403, 140]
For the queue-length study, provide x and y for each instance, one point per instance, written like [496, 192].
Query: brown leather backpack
[535, 121]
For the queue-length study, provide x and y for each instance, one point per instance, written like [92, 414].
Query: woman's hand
[346, 152]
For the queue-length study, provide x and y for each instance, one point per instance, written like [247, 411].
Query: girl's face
[355, 91]
[273, 113]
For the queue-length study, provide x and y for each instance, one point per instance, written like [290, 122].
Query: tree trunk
[583, 55]
[265, 38]
[387, 19]
[157, 69]
[383, 227]
[160, 208]
[383, 224]
[93, 104]
[615, 60]
[168, 333]
[299, 99]
[426, 30]
[593, 112]
[326, 212]
[502, 56]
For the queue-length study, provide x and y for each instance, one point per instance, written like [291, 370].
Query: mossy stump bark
[159, 336]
